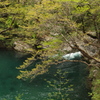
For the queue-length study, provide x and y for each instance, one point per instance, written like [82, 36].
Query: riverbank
[95, 81]
[94, 71]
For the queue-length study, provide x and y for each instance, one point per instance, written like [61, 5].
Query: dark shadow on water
[10, 86]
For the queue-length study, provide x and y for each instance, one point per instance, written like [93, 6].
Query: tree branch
[9, 28]
[85, 54]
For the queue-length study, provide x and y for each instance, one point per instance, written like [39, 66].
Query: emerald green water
[10, 86]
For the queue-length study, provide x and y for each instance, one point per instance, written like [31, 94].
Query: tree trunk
[83, 25]
[96, 29]
[98, 36]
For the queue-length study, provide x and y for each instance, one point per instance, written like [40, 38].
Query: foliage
[43, 25]
[46, 26]
[41, 29]
[95, 72]
[59, 85]
[18, 97]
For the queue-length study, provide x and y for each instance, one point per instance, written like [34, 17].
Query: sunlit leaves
[4, 4]
[2, 37]
[43, 23]
[59, 86]
[68, 0]
[43, 10]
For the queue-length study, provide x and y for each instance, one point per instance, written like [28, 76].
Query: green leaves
[18, 97]
[59, 86]
[2, 37]
[40, 26]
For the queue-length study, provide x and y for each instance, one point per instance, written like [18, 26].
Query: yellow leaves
[4, 3]
[52, 46]
[41, 16]
[2, 37]
[44, 10]
[68, 0]
[95, 10]
[26, 63]
[19, 77]
[38, 69]
[51, 5]
[83, 9]
[23, 75]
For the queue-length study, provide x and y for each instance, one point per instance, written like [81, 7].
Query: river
[11, 87]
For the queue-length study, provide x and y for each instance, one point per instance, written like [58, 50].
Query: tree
[44, 22]
[10, 17]
[47, 26]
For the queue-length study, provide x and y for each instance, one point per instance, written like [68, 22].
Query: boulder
[22, 46]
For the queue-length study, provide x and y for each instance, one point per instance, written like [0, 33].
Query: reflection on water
[37, 90]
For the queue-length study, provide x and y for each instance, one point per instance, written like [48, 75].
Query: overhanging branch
[9, 28]
[78, 48]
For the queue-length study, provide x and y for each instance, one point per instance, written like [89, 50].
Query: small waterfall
[72, 56]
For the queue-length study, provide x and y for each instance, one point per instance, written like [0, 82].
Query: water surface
[10, 86]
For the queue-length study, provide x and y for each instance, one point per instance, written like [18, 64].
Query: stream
[11, 87]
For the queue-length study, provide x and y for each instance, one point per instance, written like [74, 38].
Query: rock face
[88, 44]
[22, 46]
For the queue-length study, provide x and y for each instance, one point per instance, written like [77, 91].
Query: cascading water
[10, 86]
[72, 56]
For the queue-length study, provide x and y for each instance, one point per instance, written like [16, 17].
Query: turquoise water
[10, 86]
